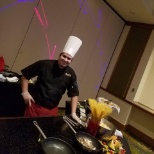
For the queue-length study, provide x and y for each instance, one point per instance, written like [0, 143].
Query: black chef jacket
[51, 83]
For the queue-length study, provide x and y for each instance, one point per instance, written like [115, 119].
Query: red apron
[2, 64]
[36, 110]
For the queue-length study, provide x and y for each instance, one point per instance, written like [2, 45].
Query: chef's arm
[24, 84]
[28, 99]
[74, 102]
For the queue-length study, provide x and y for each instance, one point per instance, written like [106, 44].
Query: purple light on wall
[86, 9]
[24, 1]
[15, 3]
[98, 45]
[97, 87]
[97, 21]
[99, 18]
[8, 6]
[101, 52]
[103, 69]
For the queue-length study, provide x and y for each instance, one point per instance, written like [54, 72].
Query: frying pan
[52, 145]
[86, 136]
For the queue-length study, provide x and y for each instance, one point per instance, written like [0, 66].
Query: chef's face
[64, 60]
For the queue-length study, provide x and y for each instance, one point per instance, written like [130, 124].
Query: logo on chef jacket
[69, 75]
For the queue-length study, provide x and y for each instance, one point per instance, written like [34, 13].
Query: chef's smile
[65, 60]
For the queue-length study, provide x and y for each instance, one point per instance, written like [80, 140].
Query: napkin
[118, 133]
[12, 79]
[2, 78]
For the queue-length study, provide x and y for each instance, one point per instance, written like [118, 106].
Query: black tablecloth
[20, 136]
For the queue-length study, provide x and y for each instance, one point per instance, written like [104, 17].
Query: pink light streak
[38, 16]
[44, 14]
[45, 25]
[53, 52]
[47, 43]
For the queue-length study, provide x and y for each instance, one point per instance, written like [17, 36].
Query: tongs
[72, 123]
[70, 126]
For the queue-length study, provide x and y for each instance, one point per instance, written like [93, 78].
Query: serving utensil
[73, 123]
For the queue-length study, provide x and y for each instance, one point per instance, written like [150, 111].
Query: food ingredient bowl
[106, 128]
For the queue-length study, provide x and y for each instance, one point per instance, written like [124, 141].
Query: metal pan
[52, 145]
[80, 136]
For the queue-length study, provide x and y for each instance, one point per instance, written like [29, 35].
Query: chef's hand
[28, 99]
[76, 118]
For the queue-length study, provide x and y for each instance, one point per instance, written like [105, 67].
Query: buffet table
[68, 112]
[20, 136]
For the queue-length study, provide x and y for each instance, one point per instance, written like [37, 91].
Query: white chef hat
[72, 45]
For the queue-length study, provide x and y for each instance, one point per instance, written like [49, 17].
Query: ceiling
[140, 11]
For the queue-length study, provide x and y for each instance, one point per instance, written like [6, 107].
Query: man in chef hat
[54, 77]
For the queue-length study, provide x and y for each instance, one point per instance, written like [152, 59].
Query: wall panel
[101, 54]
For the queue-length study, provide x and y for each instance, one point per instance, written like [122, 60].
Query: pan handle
[40, 130]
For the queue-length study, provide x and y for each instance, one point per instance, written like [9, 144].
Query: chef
[54, 77]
